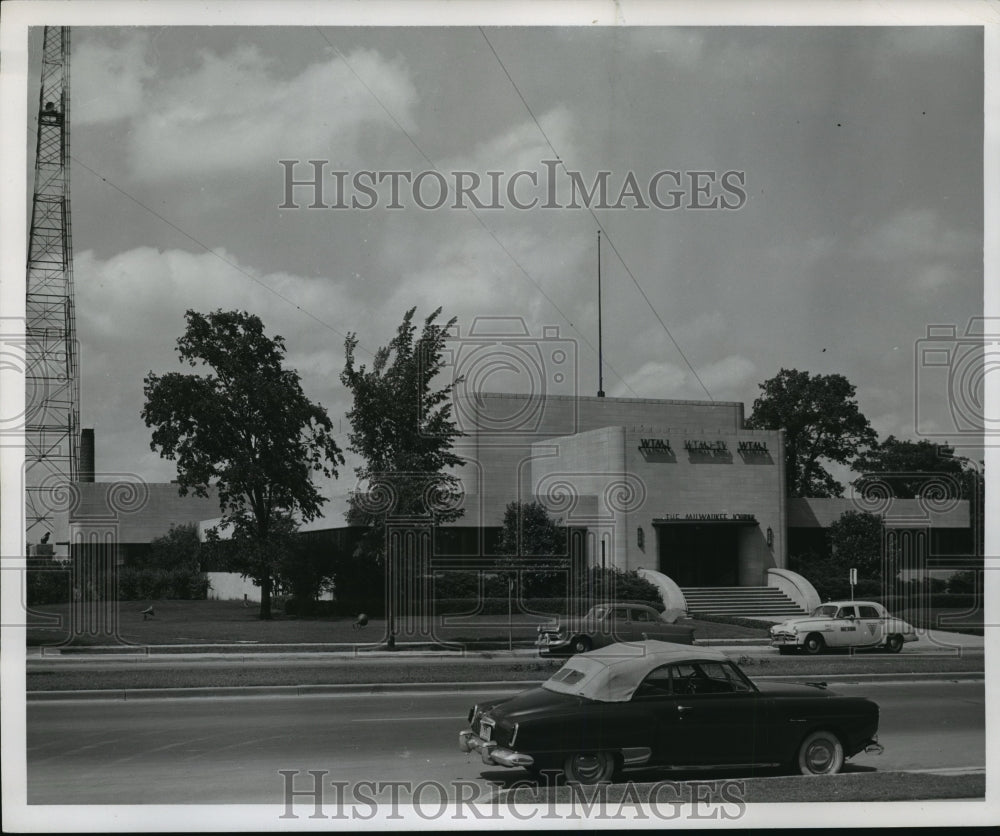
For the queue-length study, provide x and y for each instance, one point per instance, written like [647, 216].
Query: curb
[329, 647]
[134, 694]
[261, 648]
[127, 694]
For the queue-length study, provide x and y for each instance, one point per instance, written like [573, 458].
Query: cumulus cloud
[121, 341]
[522, 146]
[917, 233]
[109, 79]
[653, 379]
[729, 375]
[921, 251]
[725, 379]
[234, 111]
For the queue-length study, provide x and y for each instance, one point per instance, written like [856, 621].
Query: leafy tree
[529, 532]
[614, 584]
[306, 570]
[178, 548]
[821, 421]
[171, 569]
[403, 429]
[856, 541]
[245, 427]
[908, 467]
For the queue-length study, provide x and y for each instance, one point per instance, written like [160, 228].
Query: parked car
[843, 624]
[655, 704]
[609, 623]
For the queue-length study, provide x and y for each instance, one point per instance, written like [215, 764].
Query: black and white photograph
[409, 408]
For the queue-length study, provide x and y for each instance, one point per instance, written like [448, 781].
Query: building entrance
[699, 554]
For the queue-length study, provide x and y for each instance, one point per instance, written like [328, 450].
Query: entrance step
[747, 601]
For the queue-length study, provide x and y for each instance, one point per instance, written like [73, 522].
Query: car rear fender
[551, 738]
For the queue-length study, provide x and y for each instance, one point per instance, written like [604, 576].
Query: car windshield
[598, 612]
[827, 610]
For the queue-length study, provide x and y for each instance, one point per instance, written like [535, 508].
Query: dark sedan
[610, 623]
[655, 704]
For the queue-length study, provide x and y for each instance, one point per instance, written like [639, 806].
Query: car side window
[684, 680]
[656, 684]
[619, 614]
[718, 678]
[642, 615]
[847, 612]
[868, 612]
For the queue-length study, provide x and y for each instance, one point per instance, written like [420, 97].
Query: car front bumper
[551, 644]
[784, 640]
[491, 753]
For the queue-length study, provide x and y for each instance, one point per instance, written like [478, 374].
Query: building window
[641, 538]
[770, 538]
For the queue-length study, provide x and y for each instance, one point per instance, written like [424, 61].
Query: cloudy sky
[856, 152]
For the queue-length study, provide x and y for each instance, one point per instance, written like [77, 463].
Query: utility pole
[600, 330]
[52, 381]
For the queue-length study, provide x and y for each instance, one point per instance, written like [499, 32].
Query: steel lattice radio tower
[52, 396]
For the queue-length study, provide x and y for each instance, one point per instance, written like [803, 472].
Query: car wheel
[581, 644]
[590, 767]
[814, 644]
[894, 643]
[821, 753]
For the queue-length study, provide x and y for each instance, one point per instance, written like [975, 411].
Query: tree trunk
[265, 598]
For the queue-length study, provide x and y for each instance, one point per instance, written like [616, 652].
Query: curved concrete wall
[670, 592]
[795, 587]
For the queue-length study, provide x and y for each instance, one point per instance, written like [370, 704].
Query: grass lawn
[229, 622]
[375, 670]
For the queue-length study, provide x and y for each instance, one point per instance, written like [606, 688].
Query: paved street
[230, 749]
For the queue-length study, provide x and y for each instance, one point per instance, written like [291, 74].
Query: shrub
[621, 585]
[146, 584]
[736, 620]
[47, 586]
[963, 582]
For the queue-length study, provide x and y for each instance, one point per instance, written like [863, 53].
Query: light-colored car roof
[612, 673]
[849, 603]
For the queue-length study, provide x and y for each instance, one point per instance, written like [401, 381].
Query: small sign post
[510, 613]
[854, 580]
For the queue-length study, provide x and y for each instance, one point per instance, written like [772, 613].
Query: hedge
[500, 606]
[138, 584]
[48, 586]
